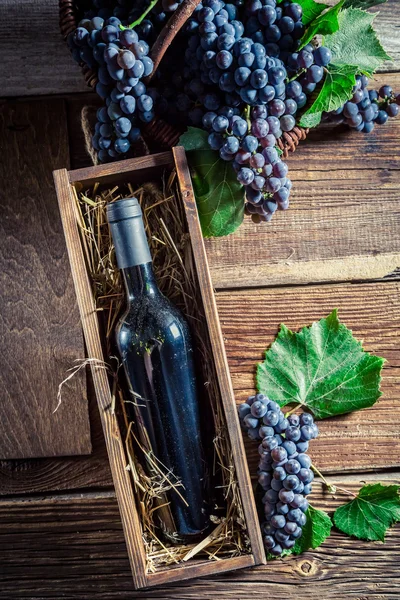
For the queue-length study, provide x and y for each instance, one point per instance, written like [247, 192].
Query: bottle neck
[130, 241]
[140, 281]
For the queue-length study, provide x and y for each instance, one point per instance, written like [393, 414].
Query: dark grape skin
[322, 56]
[385, 91]
[367, 107]
[121, 60]
[284, 500]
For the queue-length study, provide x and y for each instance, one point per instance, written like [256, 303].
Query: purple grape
[260, 128]
[126, 59]
[392, 110]
[282, 508]
[278, 521]
[294, 420]
[279, 472]
[306, 419]
[264, 479]
[257, 161]
[258, 408]
[291, 482]
[305, 59]
[292, 466]
[269, 542]
[304, 460]
[279, 454]
[385, 91]
[276, 485]
[250, 421]
[286, 496]
[281, 536]
[322, 56]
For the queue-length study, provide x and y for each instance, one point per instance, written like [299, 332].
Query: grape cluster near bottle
[284, 471]
[236, 69]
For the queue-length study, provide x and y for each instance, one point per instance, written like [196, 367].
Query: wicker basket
[158, 132]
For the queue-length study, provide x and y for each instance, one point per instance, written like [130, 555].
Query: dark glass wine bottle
[154, 343]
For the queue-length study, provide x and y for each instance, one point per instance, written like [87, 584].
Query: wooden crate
[138, 171]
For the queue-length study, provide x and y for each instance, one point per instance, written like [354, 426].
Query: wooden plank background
[35, 60]
[41, 334]
[341, 235]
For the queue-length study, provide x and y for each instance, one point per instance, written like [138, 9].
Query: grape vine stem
[144, 15]
[297, 75]
[290, 412]
[168, 33]
[332, 489]
[246, 116]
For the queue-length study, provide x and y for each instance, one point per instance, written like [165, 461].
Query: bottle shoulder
[149, 319]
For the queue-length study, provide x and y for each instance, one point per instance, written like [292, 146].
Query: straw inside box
[169, 240]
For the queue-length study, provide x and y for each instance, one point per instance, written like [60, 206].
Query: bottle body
[156, 350]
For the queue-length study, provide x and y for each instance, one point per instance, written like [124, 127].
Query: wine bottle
[155, 347]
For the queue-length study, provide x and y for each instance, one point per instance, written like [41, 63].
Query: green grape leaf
[311, 10]
[219, 195]
[322, 367]
[337, 88]
[194, 139]
[326, 23]
[368, 516]
[281, 555]
[365, 4]
[356, 42]
[315, 531]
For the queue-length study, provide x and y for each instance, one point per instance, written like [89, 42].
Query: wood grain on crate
[343, 222]
[41, 335]
[74, 547]
[40, 63]
[250, 320]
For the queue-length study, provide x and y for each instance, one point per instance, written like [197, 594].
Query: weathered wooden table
[338, 246]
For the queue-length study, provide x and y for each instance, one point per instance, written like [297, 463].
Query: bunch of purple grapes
[121, 60]
[367, 107]
[235, 70]
[284, 471]
[251, 148]
[250, 61]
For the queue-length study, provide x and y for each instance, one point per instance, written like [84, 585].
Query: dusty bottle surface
[155, 346]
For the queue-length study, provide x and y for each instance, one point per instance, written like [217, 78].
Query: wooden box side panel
[132, 168]
[219, 354]
[112, 434]
[201, 569]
